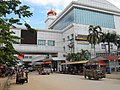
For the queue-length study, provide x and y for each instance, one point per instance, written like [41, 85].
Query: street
[64, 82]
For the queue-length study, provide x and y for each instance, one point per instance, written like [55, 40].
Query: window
[87, 17]
[41, 42]
[64, 48]
[72, 36]
[30, 57]
[28, 37]
[26, 57]
[65, 21]
[68, 38]
[63, 39]
[83, 16]
[51, 43]
[103, 46]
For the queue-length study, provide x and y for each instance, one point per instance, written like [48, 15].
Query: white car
[46, 70]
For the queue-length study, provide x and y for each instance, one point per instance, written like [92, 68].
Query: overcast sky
[41, 7]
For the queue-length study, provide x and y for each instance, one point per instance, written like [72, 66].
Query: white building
[73, 21]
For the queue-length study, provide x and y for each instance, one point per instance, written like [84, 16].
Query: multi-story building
[63, 31]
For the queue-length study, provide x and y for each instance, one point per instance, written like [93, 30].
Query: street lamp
[71, 45]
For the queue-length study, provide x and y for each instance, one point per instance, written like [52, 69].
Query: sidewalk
[113, 75]
[3, 82]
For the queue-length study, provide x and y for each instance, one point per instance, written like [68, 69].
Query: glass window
[65, 21]
[26, 57]
[30, 57]
[72, 36]
[64, 48]
[51, 43]
[88, 17]
[68, 38]
[94, 18]
[41, 42]
[63, 39]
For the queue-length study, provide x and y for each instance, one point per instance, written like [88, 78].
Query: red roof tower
[51, 12]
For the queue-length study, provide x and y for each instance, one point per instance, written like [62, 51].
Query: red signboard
[46, 63]
[20, 56]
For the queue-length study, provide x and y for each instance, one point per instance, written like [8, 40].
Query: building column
[109, 66]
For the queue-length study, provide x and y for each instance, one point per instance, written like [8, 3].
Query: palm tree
[94, 37]
[109, 38]
[71, 57]
[82, 55]
[85, 54]
[117, 42]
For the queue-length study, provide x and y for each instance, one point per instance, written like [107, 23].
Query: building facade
[67, 32]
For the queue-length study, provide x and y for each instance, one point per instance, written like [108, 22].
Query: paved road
[65, 82]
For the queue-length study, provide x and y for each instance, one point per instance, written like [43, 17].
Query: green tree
[117, 42]
[82, 55]
[85, 54]
[71, 56]
[8, 8]
[109, 38]
[94, 37]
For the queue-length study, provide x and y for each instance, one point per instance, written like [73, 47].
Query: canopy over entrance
[76, 62]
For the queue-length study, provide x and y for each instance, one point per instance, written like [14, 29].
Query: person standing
[26, 74]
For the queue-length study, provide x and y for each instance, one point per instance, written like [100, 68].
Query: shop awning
[77, 62]
[58, 59]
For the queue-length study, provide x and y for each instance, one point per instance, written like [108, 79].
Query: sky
[39, 8]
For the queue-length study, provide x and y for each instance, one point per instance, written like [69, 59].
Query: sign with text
[80, 37]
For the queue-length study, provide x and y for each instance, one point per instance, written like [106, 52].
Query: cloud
[44, 2]
[58, 11]
[32, 9]
[57, 5]
[53, 3]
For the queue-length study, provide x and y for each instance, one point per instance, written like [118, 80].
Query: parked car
[46, 70]
[30, 69]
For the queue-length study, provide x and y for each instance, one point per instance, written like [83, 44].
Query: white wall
[67, 32]
[117, 24]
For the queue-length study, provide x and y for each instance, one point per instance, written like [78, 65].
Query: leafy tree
[94, 37]
[109, 38]
[71, 56]
[8, 8]
[85, 54]
[117, 42]
[82, 55]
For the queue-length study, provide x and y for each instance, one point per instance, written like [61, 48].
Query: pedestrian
[26, 74]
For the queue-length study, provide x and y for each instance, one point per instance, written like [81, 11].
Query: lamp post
[71, 45]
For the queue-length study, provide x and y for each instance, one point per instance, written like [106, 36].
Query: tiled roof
[107, 58]
[111, 57]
